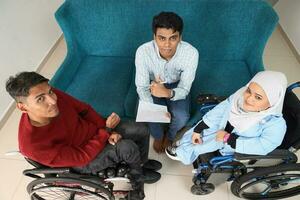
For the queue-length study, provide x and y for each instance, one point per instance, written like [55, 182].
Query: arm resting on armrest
[276, 154]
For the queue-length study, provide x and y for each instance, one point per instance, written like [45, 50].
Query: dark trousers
[180, 114]
[123, 151]
[132, 149]
[137, 132]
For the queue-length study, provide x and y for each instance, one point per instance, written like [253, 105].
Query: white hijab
[274, 85]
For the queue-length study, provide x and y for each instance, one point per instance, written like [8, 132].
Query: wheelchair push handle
[208, 99]
[293, 86]
[12, 153]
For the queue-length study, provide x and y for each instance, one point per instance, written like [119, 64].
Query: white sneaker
[171, 153]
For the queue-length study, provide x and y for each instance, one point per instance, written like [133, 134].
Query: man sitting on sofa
[58, 130]
[165, 71]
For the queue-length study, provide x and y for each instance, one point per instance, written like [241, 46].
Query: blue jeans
[180, 114]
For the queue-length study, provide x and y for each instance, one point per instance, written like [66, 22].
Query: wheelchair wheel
[66, 189]
[269, 183]
[202, 189]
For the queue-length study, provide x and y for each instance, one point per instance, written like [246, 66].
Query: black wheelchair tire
[267, 174]
[202, 189]
[67, 185]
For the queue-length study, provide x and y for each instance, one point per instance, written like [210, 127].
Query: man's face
[167, 41]
[255, 98]
[41, 103]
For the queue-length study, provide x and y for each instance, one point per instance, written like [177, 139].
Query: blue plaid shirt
[150, 65]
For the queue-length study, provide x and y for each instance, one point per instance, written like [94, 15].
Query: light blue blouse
[259, 139]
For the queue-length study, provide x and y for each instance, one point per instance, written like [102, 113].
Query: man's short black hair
[168, 20]
[20, 85]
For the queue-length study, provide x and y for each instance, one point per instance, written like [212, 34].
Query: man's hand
[196, 138]
[112, 121]
[114, 138]
[158, 89]
[220, 135]
[168, 115]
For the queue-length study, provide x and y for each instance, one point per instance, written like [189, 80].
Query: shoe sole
[170, 156]
[154, 176]
[150, 167]
[152, 181]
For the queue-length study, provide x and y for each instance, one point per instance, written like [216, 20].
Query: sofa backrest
[220, 30]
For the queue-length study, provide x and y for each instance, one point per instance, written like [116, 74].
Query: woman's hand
[220, 135]
[196, 138]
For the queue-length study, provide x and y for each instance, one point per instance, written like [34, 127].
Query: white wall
[289, 19]
[28, 30]
[272, 2]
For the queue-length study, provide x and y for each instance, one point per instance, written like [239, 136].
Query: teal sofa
[102, 37]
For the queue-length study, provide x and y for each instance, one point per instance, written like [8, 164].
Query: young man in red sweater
[57, 130]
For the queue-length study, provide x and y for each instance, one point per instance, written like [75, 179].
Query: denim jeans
[180, 114]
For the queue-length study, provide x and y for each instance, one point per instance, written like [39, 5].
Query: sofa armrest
[75, 54]
[256, 47]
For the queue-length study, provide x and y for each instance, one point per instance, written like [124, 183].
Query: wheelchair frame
[247, 175]
[63, 183]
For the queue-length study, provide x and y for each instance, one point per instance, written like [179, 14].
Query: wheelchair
[65, 184]
[273, 176]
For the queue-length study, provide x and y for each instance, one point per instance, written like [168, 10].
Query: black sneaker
[110, 172]
[152, 165]
[171, 153]
[102, 174]
[150, 176]
[122, 170]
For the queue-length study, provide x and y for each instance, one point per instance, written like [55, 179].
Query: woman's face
[255, 98]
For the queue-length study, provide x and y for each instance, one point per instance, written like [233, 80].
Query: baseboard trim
[49, 54]
[290, 44]
[12, 105]
[7, 113]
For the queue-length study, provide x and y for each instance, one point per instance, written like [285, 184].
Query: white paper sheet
[149, 112]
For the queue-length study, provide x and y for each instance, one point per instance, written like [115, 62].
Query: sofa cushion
[105, 80]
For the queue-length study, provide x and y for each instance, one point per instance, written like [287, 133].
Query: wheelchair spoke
[270, 185]
[52, 193]
[72, 196]
[65, 188]
[268, 189]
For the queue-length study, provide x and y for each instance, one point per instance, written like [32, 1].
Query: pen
[158, 80]
[162, 82]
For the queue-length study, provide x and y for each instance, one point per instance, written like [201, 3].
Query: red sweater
[70, 140]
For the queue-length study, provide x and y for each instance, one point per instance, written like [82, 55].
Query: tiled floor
[176, 178]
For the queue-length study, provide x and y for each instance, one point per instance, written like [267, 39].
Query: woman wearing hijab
[249, 122]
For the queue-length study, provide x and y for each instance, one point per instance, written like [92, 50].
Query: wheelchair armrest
[292, 86]
[34, 172]
[209, 99]
[276, 154]
[296, 146]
